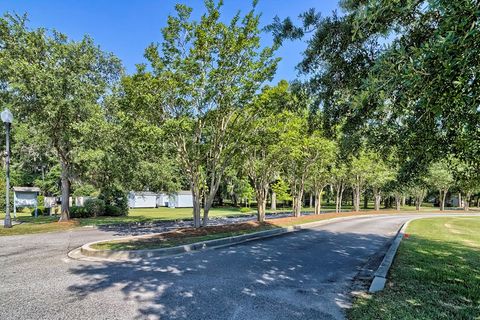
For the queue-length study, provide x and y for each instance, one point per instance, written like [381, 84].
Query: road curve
[303, 275]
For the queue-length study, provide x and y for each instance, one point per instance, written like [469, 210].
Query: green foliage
[54, 85]
[113, 196]
[40, 211]
[95, 207]
[80, 212]
[440, 176]
[114, 211]
[282, 190]
[85, 190]
[245, 210]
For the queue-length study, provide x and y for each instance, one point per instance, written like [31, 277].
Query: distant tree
[440, 177]
[281, 190]
[319, 175]
[380, 175]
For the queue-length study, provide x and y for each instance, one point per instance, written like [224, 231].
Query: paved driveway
[304, 275]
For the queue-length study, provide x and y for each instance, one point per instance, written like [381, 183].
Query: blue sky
[126, 28]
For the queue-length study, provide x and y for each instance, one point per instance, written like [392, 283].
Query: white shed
[142, 199]
[25, 197]
[180, 199]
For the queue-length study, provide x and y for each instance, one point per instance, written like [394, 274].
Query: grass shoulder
[435, 275]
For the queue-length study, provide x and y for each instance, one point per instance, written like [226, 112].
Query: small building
[25, 197]
[146, 199]
[180, 199]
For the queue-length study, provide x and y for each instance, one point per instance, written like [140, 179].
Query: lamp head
[7, 116]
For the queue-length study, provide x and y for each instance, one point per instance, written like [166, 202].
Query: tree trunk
[466, 205]
[197, 205]
[398, 202]
[65, 209]
[297, 203]
[311, 200]
[417, 203]
[274, 201]
[356, 198]
[443, 195]
[460, 204]
[338, 197]
[261, 197]
[318, 200]
[404, 200]
[206, 208]
[365, 201]
[377, 198]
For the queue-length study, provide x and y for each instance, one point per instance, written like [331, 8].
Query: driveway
[303, 275]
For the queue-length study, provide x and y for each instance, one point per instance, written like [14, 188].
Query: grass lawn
[47, 224]
[435, 275]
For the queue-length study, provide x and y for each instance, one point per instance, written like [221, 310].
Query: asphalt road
[303, 275]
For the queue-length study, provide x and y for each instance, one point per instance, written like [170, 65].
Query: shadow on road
[306, 275]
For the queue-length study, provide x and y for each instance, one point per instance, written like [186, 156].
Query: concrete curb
[380, 276]
[86, 252]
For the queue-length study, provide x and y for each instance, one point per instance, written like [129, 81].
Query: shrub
[95, 207]
[40, 211]
[113, 211]
[245, 210]
[80, 212]
[115, 197]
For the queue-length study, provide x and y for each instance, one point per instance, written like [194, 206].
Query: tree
[320, 175]
[467, 180]
[360, 171]
[55, 85]
[380, 175]
[339, 180]
[440, 177]
[204, 73]
[262, 152]
[379, 67]
[281, 190]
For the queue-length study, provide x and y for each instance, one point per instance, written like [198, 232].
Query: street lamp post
[7, 118]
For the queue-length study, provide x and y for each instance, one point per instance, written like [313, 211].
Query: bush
[80, 212]
[245, 210]
[115, 197]
[113, 211]
[40, 211]
[96, 207]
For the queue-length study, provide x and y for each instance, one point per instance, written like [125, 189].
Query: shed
[25, 197]
[143, 199]
[180, 199]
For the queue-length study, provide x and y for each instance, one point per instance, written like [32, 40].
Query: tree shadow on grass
[429, 280]
[305, 275]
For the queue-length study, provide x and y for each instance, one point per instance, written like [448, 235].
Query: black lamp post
[7, 118]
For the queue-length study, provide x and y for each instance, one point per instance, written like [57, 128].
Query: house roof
[26, 189]
[150, 193]
[143, 193]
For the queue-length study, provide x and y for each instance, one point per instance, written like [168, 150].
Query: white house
[179, 199]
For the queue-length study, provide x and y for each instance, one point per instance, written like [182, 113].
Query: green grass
[161, 214]
[136, 216]
[436, 274]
